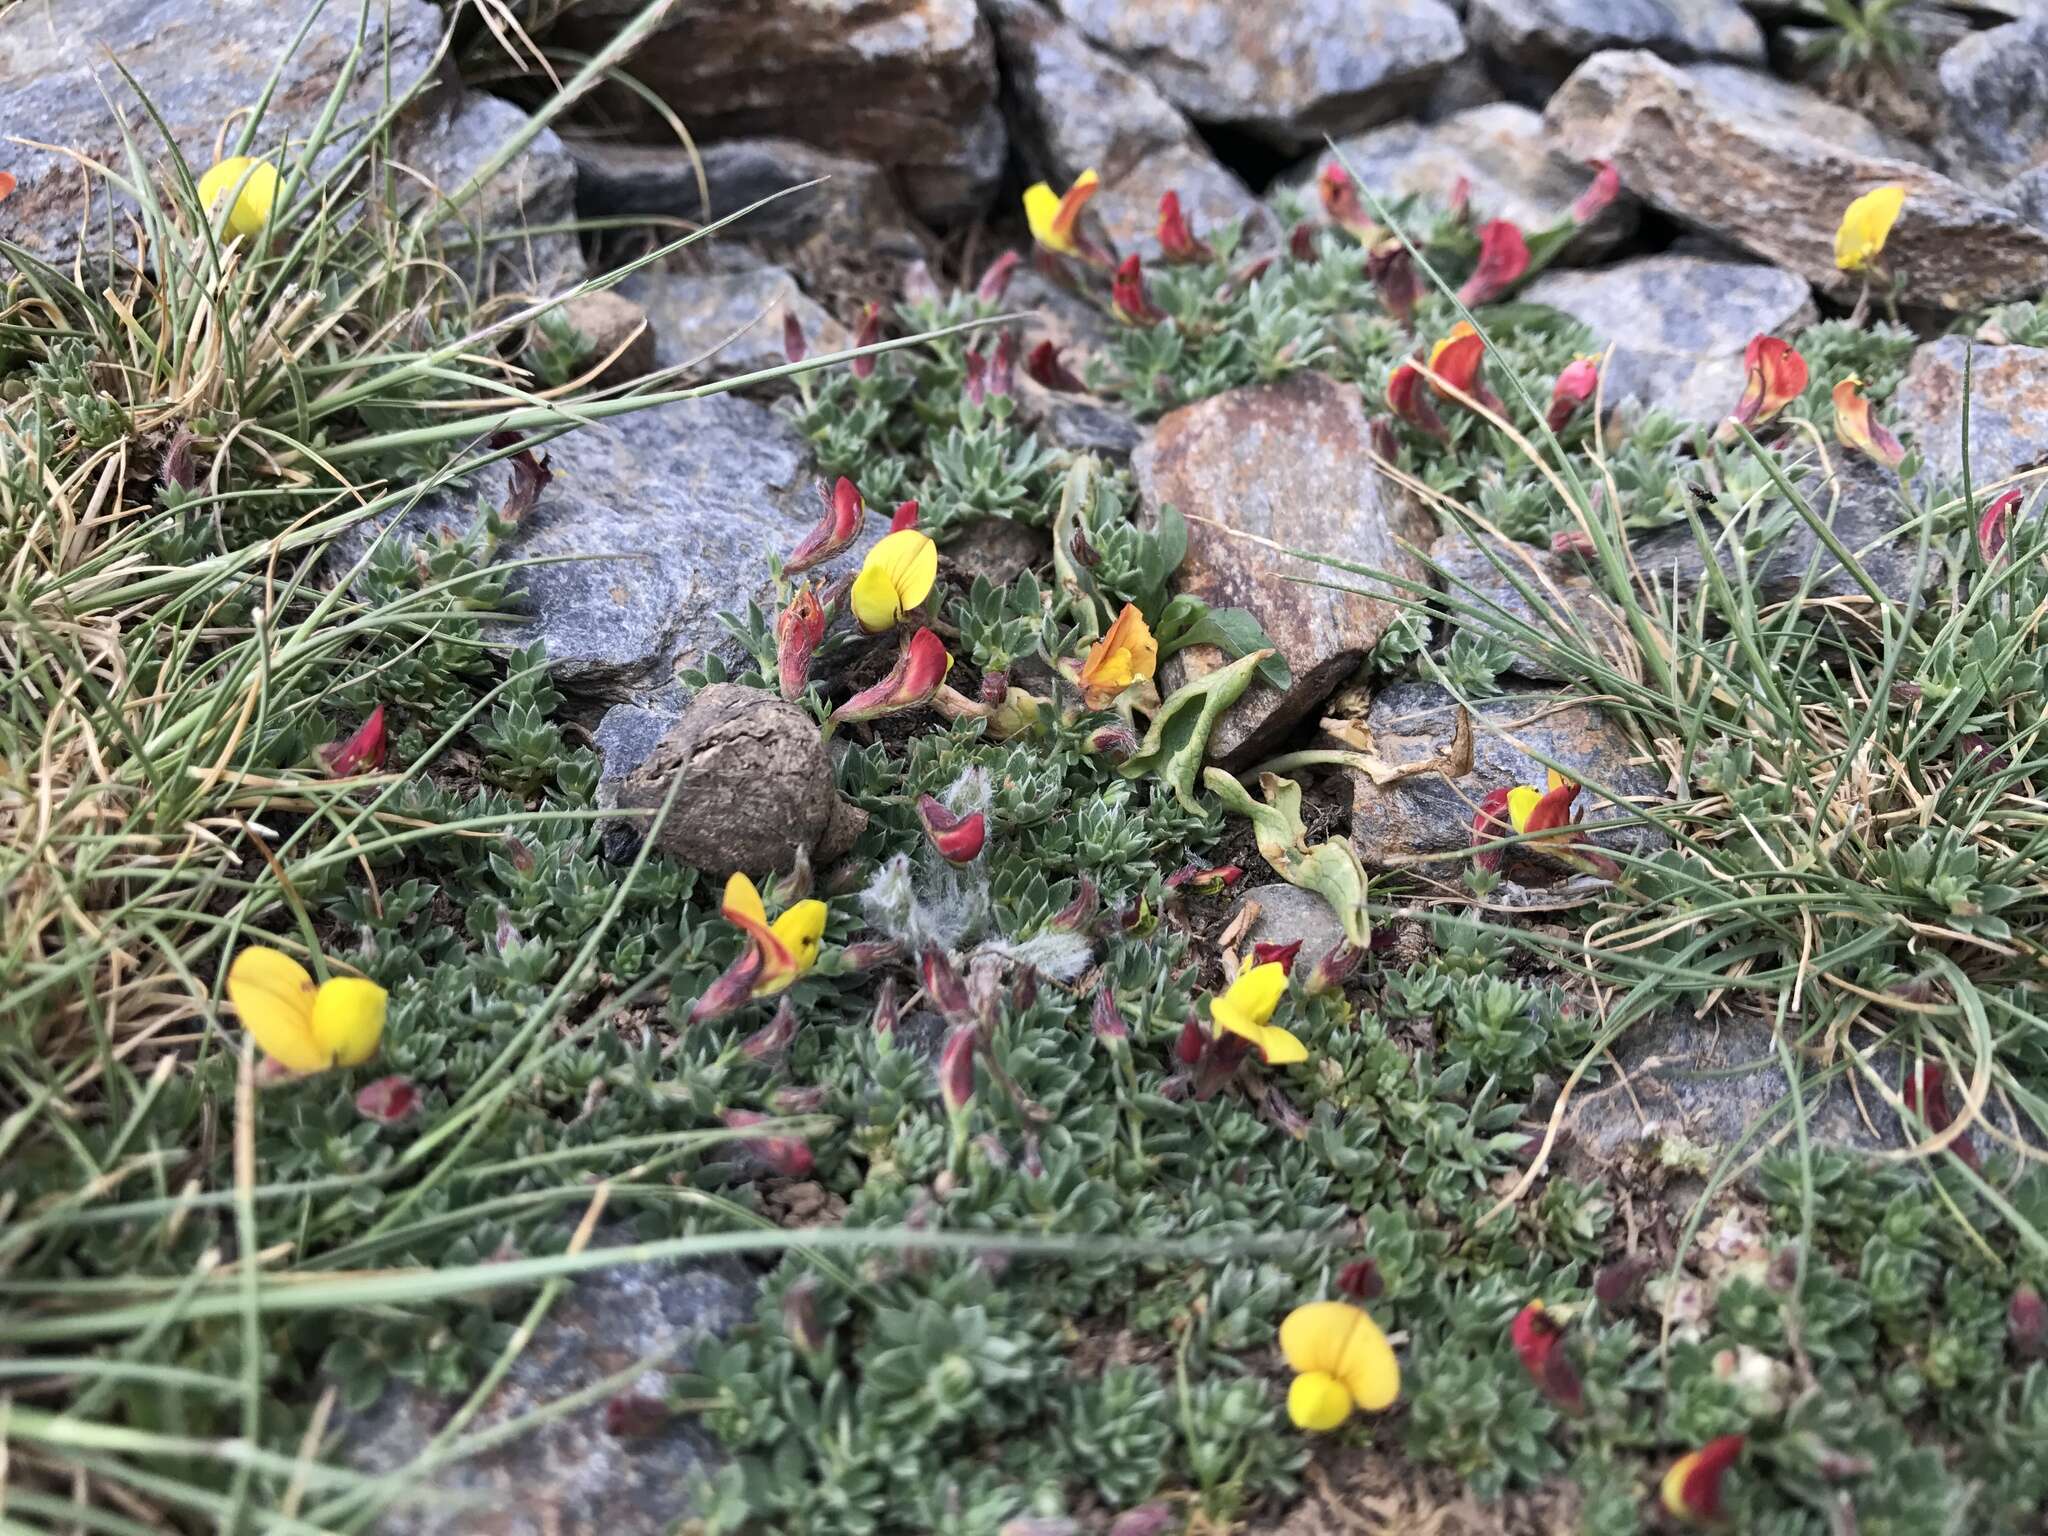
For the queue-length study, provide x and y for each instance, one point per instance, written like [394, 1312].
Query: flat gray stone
[1129, 134]
[656, 521]
[908, 85]
[567, 1473]
[853, 208]
[1429, 813]
[725, 323]
[1679, 325]
[1288, 70]
[1472, 578]
[1770, 167]
[1503, 154]
[2008, 391]
[1287, 466]
[1288, 914]
[1544, 39]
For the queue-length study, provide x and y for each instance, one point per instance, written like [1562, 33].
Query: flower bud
[1393, 274]
[866, 334]
[793, 1100]
[1602, 190]
[957, 839]
[1360, 1280]
[1176, 241]
[1204, 879]
[391, 1099]
[362, 751]
[1301, 242]
[905, 516]
[1282, 955]
[1044, 368]
[885, 1007]
[1106, 1020]
[944, 988]
[995, 687]
[1002, 365]
[800, 1315]
[1334, 969]
[788, 1156]
[995, 279]
[1573, 541]
[1146, 1520]
[2026, 1324]
[837, 529]
[793, 346]
[1127, 296]
[1025, 993]
[1281, 1111]
[1616, 1284]
[1113, 742]
[1078, 915]
[869, 953]
[179, 466]
[798, 629]
[1993, 526]
[956, 1068]
[634, 1415]
[1539, 1344]
[772, 1040]
[1193, 1042]
[1575, 385]
[921, 666]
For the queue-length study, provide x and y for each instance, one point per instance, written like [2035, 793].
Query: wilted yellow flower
[1053, 218]
[301, 1026]
[1865, 224]
[258, 182]
[1246, 1007]
[1120, 658]
[1341, 1362]
[896, 576]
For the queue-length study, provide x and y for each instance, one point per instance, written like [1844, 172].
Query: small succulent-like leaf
[1330, 869]
[1179, 738]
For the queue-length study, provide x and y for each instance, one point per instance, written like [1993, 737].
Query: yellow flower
[896, 576]
[252, 204]
[300, 1026]
[1120, 658]
[1341, 1362]
[787, 948]
[1865, 224]
[1053, 218]
[1246, 1007]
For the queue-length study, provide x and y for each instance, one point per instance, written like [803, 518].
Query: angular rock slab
[1127, 132]
[657, 522]
[1544, 39]
[1503, 154]
[1679, 325]
[1287, 70]
[2008, 408]
[1289, 463]
[907, 84]
[1770, 167]
[569, 1473]
[723, 324]
[452, 139]
[1993, 90]
[198, 62]
[1429, 813]
[1471, 577]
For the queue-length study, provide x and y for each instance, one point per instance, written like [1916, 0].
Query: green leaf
[1330, 869]
[1179, 738]
[1234, 631]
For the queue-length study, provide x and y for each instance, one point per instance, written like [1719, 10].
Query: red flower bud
[1205, 879]
[885, 1007]
[798, 629]
[1615, 1284]
[1281, 955]
[1393, 273]
[905, 516]
[1460, 205]
[1539, 1343]
[388, 1100]
[1603, 189]
[1106, 1020]
[793, 346]
[838, 528]
[2026, 1324]
[634, 1415]
[1574, 387]
[1191, 1045]
[1281, 1111]
[1994, 525]
[1078, 915]
[795, 1100]
[1025, 993]
[1334, 969]
[1002, 365]
[732, 991]
[995, 280]
[1301, 242]
[866, 334]
[920, 668]
[1573, 541]
[944, 988]
[1176, 241]
[958, 839]
[1127, 294]
[869, 953]
[1045, 368]
[956, 1068]
[800, 1315]
[1490, 823]
[362, 751]
[787, 1156]
[974, 383]
[772, 1040]
[1360, 1280]
[1926, 1094]
[1410, 402]
[1341, 203]
[1115, 742]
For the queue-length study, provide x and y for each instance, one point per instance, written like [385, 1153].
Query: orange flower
[1774, 376]
[1857, 428]
[1126, 655]
[1455, 363]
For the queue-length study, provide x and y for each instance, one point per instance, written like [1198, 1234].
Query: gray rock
[996, 549]
[655, 522]
[1544, 39]
[1504, 155]
[1288, 913]
[1261, 470]
[1771, 167]
[1994, 104]
[1058, 315]
[1129, 134]
[1462, 85]
[1679, 325]
[907, 84]
[1414, 722]
[1083, 424]
[853, 209]
[522, 213]
[1288, 70]
[1472, 578]
[726, 323]
[2008, 391]
[1858, 499]
[625, 738]
[568, 1474]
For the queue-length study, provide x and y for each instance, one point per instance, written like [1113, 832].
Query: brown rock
[1504, 155]
[757, 786]
[2008, 408]
[1393, 824]
[1566, 596]
[1284, 464]
[907, 84]
[1129, 134]
[604, 321]
[1771, 167]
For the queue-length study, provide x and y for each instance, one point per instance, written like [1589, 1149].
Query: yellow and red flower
[1774, 375]
[1245, 1009]
[1127, 296]
[1342, 1364]
[776, 956]
[956, 839]
[921, 666]
[1539, 1345]
[1546, 817]
[1055, 218]
[1858, 429]
[1454, 364]
[894, 579]
[1127, 654]
[1691, 1490]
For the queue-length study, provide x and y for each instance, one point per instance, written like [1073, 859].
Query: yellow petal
[873, 598]
[257, 180]
[912, 561]
[348, 1019]
[1251, 998]
[1318, 1401]
[801, 929]
[1522, 800]
[741, 904]
[1279, 1047]
[273, 995]
[1343, 1342]
[1369, 1371]
[1672, 1490]
[1041, 210]
[1866, 224]
[1313, 1337]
